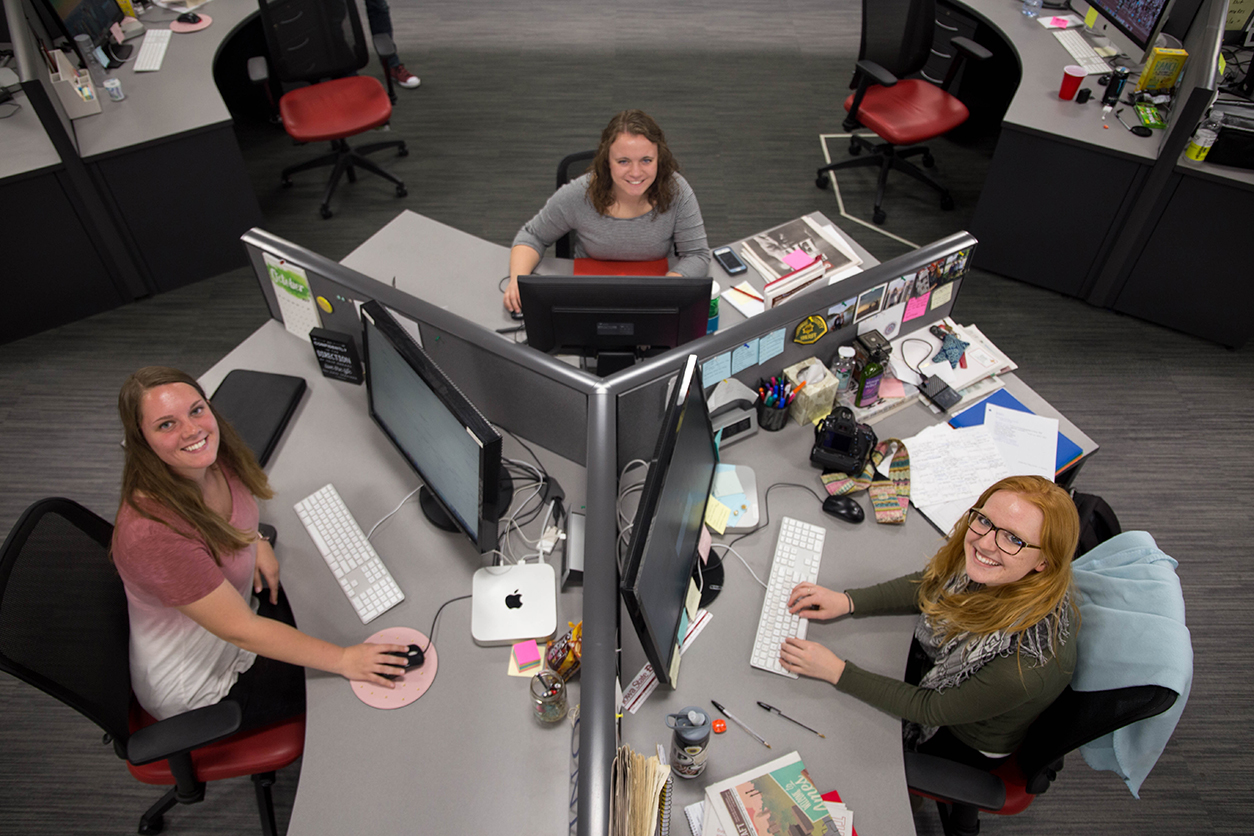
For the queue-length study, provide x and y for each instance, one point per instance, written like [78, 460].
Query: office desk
[466, 757]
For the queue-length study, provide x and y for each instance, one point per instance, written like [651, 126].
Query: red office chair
[896, 42]
[320, 43]
[58, 593]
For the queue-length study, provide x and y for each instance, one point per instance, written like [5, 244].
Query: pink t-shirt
[177, 665]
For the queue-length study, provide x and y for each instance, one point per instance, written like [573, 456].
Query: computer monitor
[93, 18]
[1140, 21]
[440, 433]
[604, 315]
[662, 550]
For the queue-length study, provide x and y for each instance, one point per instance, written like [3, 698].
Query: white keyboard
[152, 51]
[358, 568]
[798, 551]
[1081, 52]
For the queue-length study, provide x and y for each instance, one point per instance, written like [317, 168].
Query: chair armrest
[877, 73]
[868, 72]
[184, 732]
[970, 49]
[258, 69]
[954, 782]
[383, 45]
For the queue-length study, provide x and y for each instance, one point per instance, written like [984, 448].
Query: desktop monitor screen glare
[1139, 20]
[595, 314]
[440, 433]
[662, 551]
[93, 18]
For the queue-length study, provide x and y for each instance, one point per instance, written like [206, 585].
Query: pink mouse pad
[203, 23]
[411, 685]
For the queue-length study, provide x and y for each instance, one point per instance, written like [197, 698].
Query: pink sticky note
[890, 387]
[1059, 22]
[798, 258]
[527, 654]
[116, 31]
[704, 541]
[916, 307]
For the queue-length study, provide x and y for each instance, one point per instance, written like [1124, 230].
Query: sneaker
[403, 77]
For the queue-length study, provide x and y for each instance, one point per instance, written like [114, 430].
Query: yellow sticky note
[1223, 65]
[716, 515]
[1090, 18]
[674, 671]
[692, 601]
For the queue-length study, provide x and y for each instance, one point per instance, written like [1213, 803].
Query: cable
[393, 511]
[742, 560]
[907, 340]
[431, 633]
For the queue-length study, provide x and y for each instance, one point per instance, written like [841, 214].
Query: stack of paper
[637, 784]
[775, 798]
[982, 358]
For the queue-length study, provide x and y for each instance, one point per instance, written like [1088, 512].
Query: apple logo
[513, 601]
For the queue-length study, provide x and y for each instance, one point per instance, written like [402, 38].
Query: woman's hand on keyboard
[364, 663]
[808, 658]
[809, 600]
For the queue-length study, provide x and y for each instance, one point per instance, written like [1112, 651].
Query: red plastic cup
[1072, 75]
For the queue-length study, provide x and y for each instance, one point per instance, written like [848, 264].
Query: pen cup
[1072, 75]
[548, 697]
[771, 418]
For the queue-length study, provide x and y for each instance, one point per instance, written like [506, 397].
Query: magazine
[776, 798]
[774, 253]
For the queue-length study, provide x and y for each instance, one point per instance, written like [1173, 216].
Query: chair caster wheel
[325, 211]
[878, 216]
[821, 182]
[402, 151]
[855, 149]
[929, 161]
[947, 203]
[287, 182]
[152, 826]
[400, 191]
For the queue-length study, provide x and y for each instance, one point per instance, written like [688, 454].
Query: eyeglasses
[1006, 541]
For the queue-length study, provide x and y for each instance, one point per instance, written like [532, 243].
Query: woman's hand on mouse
[365, 663]
[811, 659]
[809, 600]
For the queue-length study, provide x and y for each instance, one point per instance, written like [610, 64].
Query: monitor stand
[436, 515]
[710, 577]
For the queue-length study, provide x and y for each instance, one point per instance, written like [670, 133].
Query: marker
[775, 710]
[732, 717]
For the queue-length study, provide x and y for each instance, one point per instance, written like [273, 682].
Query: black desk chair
[320, 44]
[61, 599]
[896, 43]
[568, 169]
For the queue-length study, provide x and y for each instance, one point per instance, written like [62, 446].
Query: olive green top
[990, 711]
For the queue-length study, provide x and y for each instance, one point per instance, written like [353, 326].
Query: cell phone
[938, 392]
[729, 261]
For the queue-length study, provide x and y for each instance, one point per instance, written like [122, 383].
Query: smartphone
[939, 393]
[729, 261]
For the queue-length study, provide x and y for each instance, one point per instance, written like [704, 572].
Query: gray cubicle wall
[642, 388]
[524, 391]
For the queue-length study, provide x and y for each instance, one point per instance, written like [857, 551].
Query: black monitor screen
[438, 431]
[1140, 20]
[662, 551]
[92, 18]
[597, 313]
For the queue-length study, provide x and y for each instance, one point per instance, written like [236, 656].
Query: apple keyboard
[1081, 52]
[349, 555]
[798, 551]
[152, 51]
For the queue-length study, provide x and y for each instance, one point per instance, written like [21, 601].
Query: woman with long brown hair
[997, 625]
[632, 205]
[187, 547]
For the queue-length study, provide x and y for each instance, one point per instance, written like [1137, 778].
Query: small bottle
[1031, 8]
[1114, 87]
[1203, 138]
[843, 368]
[869, 380]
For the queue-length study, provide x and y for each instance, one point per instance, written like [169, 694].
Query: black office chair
[64, 629]
[1074, 719]
[568, 169]
[320, 44]
[896, 43]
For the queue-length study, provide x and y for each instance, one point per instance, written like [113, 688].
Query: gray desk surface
[179, 98]
[468, 751]
[27, 149]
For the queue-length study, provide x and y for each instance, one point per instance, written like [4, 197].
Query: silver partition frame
[624, 405]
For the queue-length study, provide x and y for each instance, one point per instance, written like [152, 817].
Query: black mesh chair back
[572, 166]
[901, 48]
[313, 40]
[63, 621]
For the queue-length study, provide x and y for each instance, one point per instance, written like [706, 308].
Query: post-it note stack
[527, 655]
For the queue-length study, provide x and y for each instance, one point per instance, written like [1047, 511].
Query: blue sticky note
[737, 502]
[716, 369]
[745, 356]
[771, 345]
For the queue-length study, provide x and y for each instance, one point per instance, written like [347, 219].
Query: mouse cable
[388, 516]
[431, 632]
[742, 560]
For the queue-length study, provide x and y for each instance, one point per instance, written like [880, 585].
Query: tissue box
[815, 400]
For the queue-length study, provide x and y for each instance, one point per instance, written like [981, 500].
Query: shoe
[403, 77]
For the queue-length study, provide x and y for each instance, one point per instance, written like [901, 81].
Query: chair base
[152, 822]
[346, 160]
[887, 157]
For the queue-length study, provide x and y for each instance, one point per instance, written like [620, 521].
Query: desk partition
[600, 423]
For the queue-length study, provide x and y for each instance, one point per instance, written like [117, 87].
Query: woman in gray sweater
[632, 205]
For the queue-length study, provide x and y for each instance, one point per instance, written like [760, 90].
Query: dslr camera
[841, 443]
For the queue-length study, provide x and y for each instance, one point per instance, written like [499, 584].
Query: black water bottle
[1114, 88]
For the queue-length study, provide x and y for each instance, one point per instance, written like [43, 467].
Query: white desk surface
[27, 149]
[468, 752]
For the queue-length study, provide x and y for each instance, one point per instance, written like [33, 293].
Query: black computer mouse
[189, 17]
[844, 508]
[413, 656]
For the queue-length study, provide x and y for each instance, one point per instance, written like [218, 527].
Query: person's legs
[944, 745]
[380, 18]
[270, 690]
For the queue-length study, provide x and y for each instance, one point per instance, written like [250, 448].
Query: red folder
[596, 267]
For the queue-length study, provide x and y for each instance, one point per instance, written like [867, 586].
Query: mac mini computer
[512, 603]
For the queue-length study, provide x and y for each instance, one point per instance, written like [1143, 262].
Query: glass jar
[548, 697]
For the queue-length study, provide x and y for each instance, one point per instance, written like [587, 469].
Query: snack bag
[562, 654]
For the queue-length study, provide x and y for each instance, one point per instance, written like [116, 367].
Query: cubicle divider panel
[908, 282]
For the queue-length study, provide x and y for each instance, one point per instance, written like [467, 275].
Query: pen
[775, 710]
[755, 296]
[732, 717]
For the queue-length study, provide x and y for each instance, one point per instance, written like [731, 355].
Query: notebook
[1068, 451]
[258, 405]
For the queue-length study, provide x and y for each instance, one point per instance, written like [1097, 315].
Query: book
[792, 246]
[1162, 69]
[776, 798]
[1068, 451]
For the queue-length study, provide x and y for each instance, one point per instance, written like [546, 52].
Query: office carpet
[743, 90]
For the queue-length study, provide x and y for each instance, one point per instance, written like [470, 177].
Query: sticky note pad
[716, 514]
[1091, 18]
[527, 654]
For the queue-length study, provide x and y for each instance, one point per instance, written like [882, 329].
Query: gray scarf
[956, 660]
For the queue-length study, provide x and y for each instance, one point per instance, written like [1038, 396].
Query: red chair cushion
[910, 111]
[1017, 796]
[335, 109]
[263, 749]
